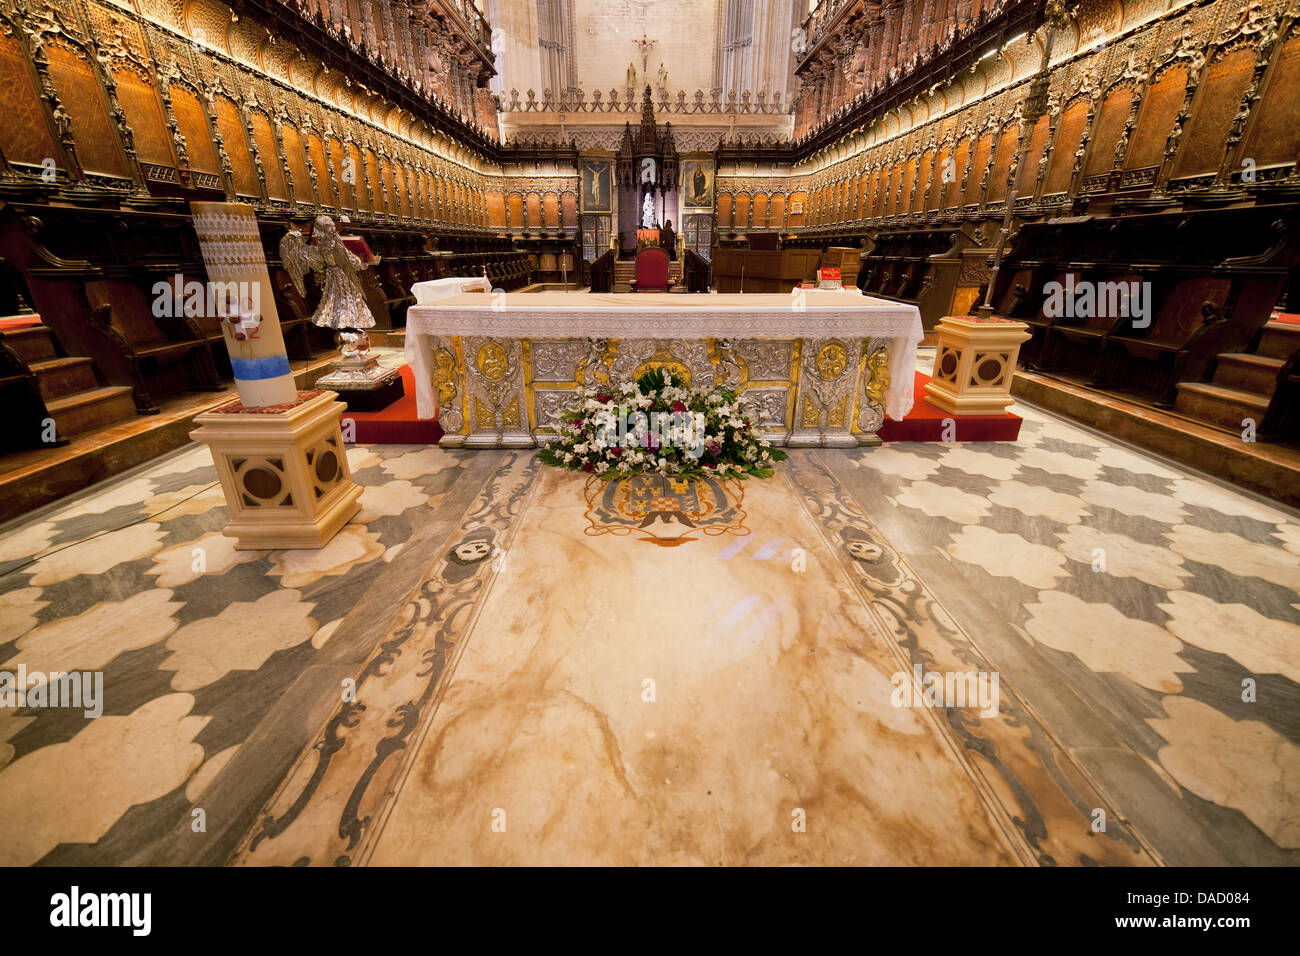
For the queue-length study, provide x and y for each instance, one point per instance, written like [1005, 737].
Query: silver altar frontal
[814, 368]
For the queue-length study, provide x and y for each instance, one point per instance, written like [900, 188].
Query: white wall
[686, 35]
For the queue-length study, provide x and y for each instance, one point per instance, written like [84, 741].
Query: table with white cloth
[814, 368]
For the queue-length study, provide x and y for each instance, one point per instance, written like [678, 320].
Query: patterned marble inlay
[489, 665]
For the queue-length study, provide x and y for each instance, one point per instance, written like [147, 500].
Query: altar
[814, 368]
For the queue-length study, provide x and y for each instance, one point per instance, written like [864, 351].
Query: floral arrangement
[653, 425]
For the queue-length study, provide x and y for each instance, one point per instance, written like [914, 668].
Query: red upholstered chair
[652, 271]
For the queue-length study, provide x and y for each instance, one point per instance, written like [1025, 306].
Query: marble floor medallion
[663, 510]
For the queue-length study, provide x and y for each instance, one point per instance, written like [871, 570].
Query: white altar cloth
[558, 315]
[432, 290]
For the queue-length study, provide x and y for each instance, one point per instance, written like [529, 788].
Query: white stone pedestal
[974, 364]
[283, 469]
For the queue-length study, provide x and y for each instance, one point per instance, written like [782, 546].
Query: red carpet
[12, 322]
[397, 424]
[1290, 318]
[925, 423]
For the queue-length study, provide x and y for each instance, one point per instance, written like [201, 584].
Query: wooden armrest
[163, 348]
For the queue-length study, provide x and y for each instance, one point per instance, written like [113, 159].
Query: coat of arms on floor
[663, 509]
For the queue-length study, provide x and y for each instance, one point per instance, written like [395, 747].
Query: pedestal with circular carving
[974, 364]
[283, 469]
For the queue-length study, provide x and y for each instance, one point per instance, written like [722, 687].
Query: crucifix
[644, 46]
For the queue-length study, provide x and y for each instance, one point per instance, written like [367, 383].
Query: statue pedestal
[283, 470]
[360, 381]
[974, 364]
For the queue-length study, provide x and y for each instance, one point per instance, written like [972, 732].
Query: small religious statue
[631, 76]
[663, 78]
[357, 375]
[1121, 147]
[342, 303]
[648, 212]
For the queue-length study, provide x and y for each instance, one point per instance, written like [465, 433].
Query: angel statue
[342, 303]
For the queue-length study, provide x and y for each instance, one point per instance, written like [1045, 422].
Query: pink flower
[679, 406]
[604, 399]
[588, 467]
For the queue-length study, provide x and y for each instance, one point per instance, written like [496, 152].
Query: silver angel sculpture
[342, 303]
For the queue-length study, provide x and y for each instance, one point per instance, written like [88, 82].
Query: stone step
[32, 344]
[1249, 373]
[1217, 405]
[64, 376]
[1280, 340]
[93, 408]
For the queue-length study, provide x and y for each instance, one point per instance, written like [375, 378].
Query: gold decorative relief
[832, 360]
[444, 376]
[838, 416]
[810, 416]
[510, 417]
[877, 375]
[491, 362]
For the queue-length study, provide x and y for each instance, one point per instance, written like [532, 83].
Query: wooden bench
[165, 355]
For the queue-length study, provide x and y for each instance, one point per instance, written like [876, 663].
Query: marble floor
[500, 663]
